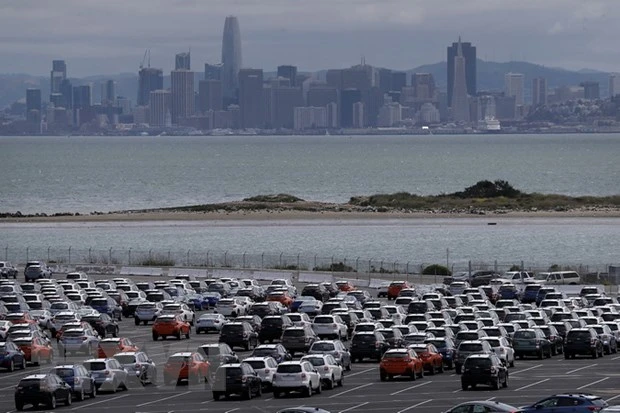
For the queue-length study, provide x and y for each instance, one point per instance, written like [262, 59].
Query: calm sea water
[85, 174]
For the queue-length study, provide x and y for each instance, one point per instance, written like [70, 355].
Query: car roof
[182, 354]
[35, 377]
[127, 353]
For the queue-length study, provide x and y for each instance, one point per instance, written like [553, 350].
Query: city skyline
[547, 33]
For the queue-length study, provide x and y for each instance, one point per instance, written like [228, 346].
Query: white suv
[180, 309]
[231, 307]
[330, 371]
[296, 376]
[330, 326]
[265, 368]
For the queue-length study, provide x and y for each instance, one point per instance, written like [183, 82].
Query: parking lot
[530, 381]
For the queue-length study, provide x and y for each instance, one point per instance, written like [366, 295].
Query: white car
[44, 317]
[180, 309]
[330, 326]
[300, 319]
[63, 318]
[109, 374]
[330, 371]
[63, 306]
[265, 368]
[210, 321]
[382, 289]
[285, 283]
[77, 276]
[4, 328]
[310, 307]
[146, 312]
[230, 307]
[502, 348]
[298, 376]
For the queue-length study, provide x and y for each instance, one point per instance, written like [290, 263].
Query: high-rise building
[539, 91]
[231, 56]
[108, 93]
[358, 115]
[213, 72]
[182, 61]
[614, 84]
[284, 100]
[319, 95]
[57, 75]
[468, 52]
[424, 87]
[251, 98]
[460, 100]
[348, 97]
[288, 72]
[333, 120]
[385, 80]
[333, 77]
[182, 91]
[33, 99]
[591, 90]
[514, 84]
[66, 93]
[310, 118]
[82, 97]
[149, 79]
[160, 109]
[399, 80]
[210, 95]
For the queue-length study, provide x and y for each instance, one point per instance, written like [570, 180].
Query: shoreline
[299, 215]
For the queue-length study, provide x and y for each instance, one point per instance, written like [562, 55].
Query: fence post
[469, 267]
[129, 256]
[407, 271]
[110, 255]
[495, 267]
[356, 261]
[151, 251]
[69, 255]
[27, 257]
[369, 265]
[281, 259]
[6, 253]
[314, 262]
[381, 267]
[188, 257]
[207, 258]
[394, 270]
[522, 266]
[48, 254]
[262, 261]
[226, 258]
[243, 259]
[90, 260]
[298, 263]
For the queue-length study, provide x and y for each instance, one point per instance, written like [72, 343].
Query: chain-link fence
[270, 260]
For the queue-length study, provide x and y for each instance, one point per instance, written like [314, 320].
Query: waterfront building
[358, 115]
[460, 100]
[468, 52]
[231, 56]
[310, 118]
[251, 98]
[428, 114]
[390, 114]
[182, 61]
[141, 115]
[539, 91]
[333, 118]
[591, 90]
[160, 113]
[514, 84]
[288, 72]
[348, 98]
[149, 80]
[182, 92]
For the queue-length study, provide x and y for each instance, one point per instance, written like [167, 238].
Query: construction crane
[147, 53]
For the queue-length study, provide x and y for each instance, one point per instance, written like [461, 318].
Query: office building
[231, 56]
[460, 99]
[288, 72]
[33, 99]
[57, 75]
[310, 118]
[506, 108]
[108, 93]
[468, 52]
[389, 114]
[514, 84]
[591, 90]
[210, 95]
[333, 118]
[348, 98]
[399, 81]
[213, 72]
[333, 77]
[424, 86]
[160, 109]
[385, 80]
[539, 91]
[82, 96]
[428, 114]
[319, 95]
[284, 100]
[251, 98]
[614, 84]
[182, 93]
[182, 61]
[486, 107]
[149, 79]
[358, 115]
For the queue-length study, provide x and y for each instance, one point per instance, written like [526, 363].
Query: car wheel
[155, 336]
[512, 363]
[136, 321]
[81, 395]
[69, 399]
[308, 391]
[594, 353]
[11, 366]
[216, 396]
[331, 383]
[458, 369]
[432, 370]
[52, 403]
[413, 375]
[464, 386]
[93, 393]
[115, 333]
[441, 367]
[505, 383]
[187, 335]
[383, 376]
[276, 394]
[178, 335]
[23, 364]
[496, 384]
[319, 388]
[20, 406]
[540, 355]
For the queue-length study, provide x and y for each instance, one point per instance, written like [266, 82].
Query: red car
[401, 362]
[36, 349]
[431, 358]
[186, 366]
[108, 347]
[282, 297]
[345, 286]
[170, 325]
[395, 287]
[20, 318]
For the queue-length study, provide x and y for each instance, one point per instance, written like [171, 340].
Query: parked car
[272, 327]
[277, 351]
[103, 324]
[239, 334]
[11, 356]
[531, 342]
[574, 402]
[298, 339]
[236, 378]
[401, 362]
[583, 341]
[217, 354]
[487, 406]
[46, 389]
[108, 347]
[78, 340]
[298, 376]
[368, 345]
[265, 368]
[330, 371]
[430, 357]
[188, 366]
[484, 369]
[170, 325]
[80, 380]
[466, 349]
[109, 375]
[7, 270]
[210, 322]
[335, 348]
[138, 366]
[36, 270]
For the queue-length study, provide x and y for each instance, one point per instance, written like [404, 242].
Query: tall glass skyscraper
[231, 56]
[468, 52]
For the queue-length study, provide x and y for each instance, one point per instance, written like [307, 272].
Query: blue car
[78, 378]
[11, 356]
[564, 403]
[446, 347]
[107, 306]
[212, 298]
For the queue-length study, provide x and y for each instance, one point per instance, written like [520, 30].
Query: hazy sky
[110, 36]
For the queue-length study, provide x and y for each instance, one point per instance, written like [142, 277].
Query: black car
[217, 354]
[317, 291]
[239, 334]
[554, 337]
[296, 339]
[80, 380]
[393, 336]
[103, 324]
[331, 288]
[46, 389]
[254, 320]
[277, 351]
[485, 369]
[272, 328]
[583, 341]
[369, 344]
[264, 309]
[238, 379]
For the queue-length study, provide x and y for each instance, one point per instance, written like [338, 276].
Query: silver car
[109, 374]
[138, 366]
[78, 340]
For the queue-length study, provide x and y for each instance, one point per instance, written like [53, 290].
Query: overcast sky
[110, 36]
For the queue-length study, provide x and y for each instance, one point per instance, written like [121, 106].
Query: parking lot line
[616, 358]
[165, 398]
[412, 387]
[415, 405]
[359, 372]
[581, 368]
[232, 410]
[612, 398]
[350, 390]
[527, 369]
[99, 402]
[592, 384]
[354, 407]
[532, 384]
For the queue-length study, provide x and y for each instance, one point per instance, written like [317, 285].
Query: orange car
[432, 359]
[108, 347]
[282, 297]
[401, 362]
[170, 325]
[20, 318]
[186, 366]
[395, 287]
[36, 349]
[345, 286]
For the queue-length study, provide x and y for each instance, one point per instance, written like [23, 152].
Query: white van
[559, 277]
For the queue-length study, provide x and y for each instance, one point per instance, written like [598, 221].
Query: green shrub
[335, 267]
[436, 269]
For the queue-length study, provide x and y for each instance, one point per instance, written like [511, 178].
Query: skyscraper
[424, 86]
[251, 98]
[591, 90]
[469, 54]
[182, 61]
[539, 91]
[160, 108]
[460, 100]
[231, 56]
[213, 72]
[33, 99]
[288, 72]
[514, 85]
[209, 95]
[182, 90]
[348, 98]
[614, 84]
[150, 79]
[108, 93]
[57, 75]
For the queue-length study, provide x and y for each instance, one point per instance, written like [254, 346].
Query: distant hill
[490, 77]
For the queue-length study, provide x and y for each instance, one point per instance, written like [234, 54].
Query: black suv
[47, 389]
[368, 344]
[239, 334]
[317, 291]
[295, 339]
[554, 337]
[272, 327]
[236, 379]
[484, 369]
[583, 341]
[217, 354]
[103, 324]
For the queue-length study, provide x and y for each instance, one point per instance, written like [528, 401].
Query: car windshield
[477, 362]
[524, 334]
[438, 343]
[315, 361]
[263, 352]
[289, 368]
[256, 364]
[322, 347]
[323, 320]
[467, 335]
[294, 333]
[364, 337]
[125, 358]
[395, 355]
[178, 359]
[579, 334]
[64, 372]
[470, 347]
[94, 365]
[232, 328]
[494, 343]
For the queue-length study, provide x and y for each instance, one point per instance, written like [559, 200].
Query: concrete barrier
[377, 282]
[270, 276]
[173, 272]
[224, 273]
[155, 272]
[96, 269]
[315, 277]
[354, 282]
